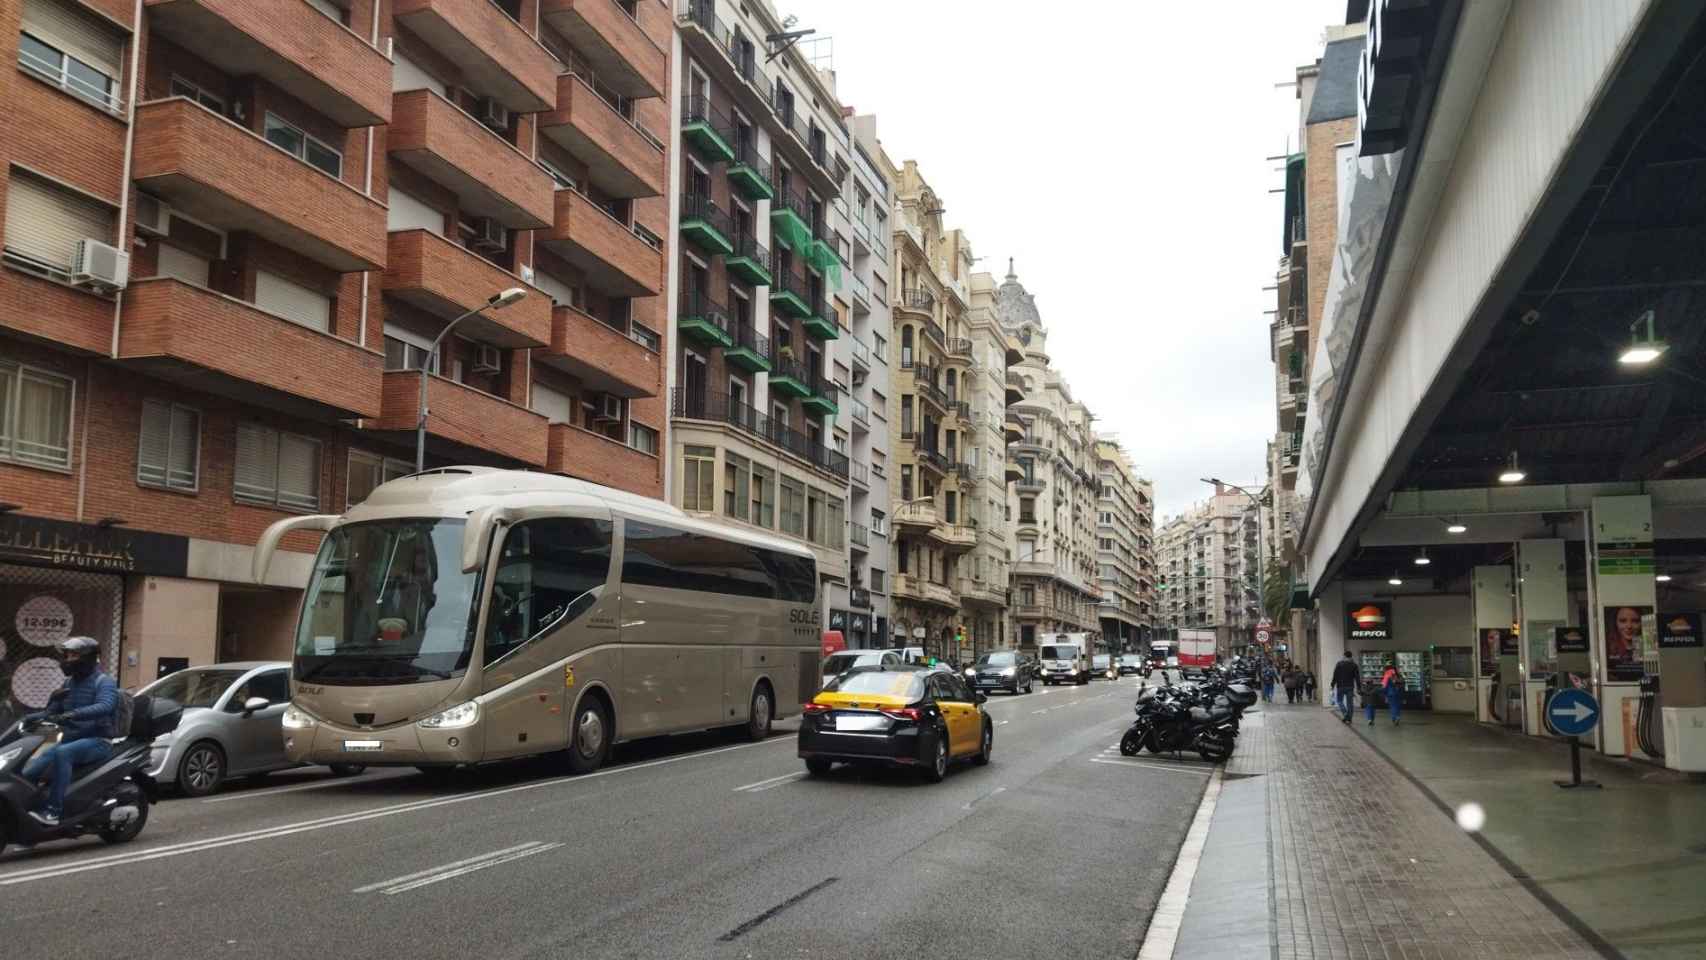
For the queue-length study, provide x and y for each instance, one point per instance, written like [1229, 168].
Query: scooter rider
[83, 710]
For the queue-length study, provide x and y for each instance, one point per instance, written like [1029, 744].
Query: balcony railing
[859, 473]
[861, 353]
[721, 408]
[960, 408]
[861, 412]
[933, 459]
[917, 299]
[932, 393]
[959, 347]
[859, 535]
[934, 331]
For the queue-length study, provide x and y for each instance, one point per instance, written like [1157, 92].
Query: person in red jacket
[1392, 685]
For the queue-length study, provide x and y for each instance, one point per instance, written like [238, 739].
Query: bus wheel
[758, 722]
[589, 737]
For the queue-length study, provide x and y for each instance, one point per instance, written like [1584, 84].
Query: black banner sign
[1571, 639]
[1679, 630]
[1368, 620]
[81, 546]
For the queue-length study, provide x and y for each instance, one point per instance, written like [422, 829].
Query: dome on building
[1013, 306]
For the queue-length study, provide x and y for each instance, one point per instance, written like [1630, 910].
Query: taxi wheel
[982, 758]
[818, 766]
[937, 766]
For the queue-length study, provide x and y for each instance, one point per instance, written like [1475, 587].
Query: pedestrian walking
[1309, 686]
[1268, 679]
[1291, 681]
[1369, 692]
[1344, 683]
[1392, 685]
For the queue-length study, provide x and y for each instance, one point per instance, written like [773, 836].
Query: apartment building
[1208, 558]
[234, 231]
[1326, 135]
[1124, 534]
[1054, 495]
[984, 586]
[762, 363]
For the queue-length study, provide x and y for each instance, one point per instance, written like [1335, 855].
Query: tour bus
[470, 614]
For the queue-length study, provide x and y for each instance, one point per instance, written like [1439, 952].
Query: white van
[1064, 658]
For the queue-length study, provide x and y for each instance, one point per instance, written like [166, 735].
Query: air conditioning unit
[488, 360]
[489, 235]
[609, 407]
[152, 216]
[99, 266]
[494, 114]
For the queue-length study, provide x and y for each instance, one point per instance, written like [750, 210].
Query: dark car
[908, 715]
[1006, 670]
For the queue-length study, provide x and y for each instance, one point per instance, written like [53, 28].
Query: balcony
[822, 400]
[705, 225]
[1015, 389]
[749, 173]
[615, 261]
[959, 351]
[749, 261]
[790, 222]
[489, 176]
[467, 423]
[704, 319]
[861, 416]
[210, 342]
[714, 48]
[916, 301]
[494, 54]
[859, 292]
[1013, 428]
[860, 474]
[789, 376]
[955, 537]
[594, 457]
[789, 294]
[962, 410]
[427, 271]
[617, 49]
[820, 323]
[932, 461]
[1284, 336]
[933, 330]
[1029, 483]
[290, 45]
[860, 355]
[707, 130]
[1013, 473]
[600, 356]
[750, 351]
[918, 517]
[723, 409]
[859, 536]
[208, 166]
[929, 392]
[620, 160]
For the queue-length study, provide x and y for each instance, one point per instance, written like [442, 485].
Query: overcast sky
[1116, 152]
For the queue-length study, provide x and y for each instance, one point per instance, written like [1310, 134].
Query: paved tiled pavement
[1362, 864]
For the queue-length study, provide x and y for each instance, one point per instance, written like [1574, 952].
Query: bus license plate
[364, 744]
[860, 721]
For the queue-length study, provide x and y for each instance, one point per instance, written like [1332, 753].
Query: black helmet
[78, 654]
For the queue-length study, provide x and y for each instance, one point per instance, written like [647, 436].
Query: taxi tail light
[903, 713]
[812, 708]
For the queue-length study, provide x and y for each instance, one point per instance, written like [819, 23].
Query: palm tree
[1276, 593]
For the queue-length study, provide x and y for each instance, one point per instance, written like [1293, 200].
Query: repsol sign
[1395, 53]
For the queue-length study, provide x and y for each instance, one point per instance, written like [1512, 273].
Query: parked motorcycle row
[1200, 716]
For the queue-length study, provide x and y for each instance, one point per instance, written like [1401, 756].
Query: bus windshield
[387, 603]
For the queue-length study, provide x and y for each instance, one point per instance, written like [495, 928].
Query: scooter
[109, 799]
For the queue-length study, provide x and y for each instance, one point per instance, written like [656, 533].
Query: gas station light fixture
[1642, 350]
[1662, 578]
[1422, 558]
[1512, 473]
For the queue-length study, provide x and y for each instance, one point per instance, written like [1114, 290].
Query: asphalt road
[698, 846]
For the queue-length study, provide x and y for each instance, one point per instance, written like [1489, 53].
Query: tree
[1276, 593]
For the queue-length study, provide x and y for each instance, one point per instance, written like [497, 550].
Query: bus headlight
[461, 715]
[296, 718]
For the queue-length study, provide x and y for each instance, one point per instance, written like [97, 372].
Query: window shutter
[182, 459]
[44, 419]
[292, 301]
[44, 221]
[298, 472]
[182, 264]
[257, 463]
[406, 212]
[8, 387]
[153, 449]
[81, 34]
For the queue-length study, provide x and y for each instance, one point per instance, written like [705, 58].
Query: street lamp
[497, 301]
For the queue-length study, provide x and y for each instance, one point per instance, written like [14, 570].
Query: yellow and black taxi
[911, 715]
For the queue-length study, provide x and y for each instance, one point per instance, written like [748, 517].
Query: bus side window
[545, 579]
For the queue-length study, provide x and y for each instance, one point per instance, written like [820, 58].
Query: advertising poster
[1571, 639]
[1492, 644]
[1368, 621]
[1679, 631]
[1625, 639]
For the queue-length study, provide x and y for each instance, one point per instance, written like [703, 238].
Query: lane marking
[275, 791]
[1002, 723]
[772, 783]
[1035, 712]
[1169, 915]
[1152, 765]
[268, 833]
[977, 800]
[439, 877]
[429, 871]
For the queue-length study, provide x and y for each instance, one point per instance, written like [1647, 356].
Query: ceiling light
[1642, 350]
[1663, 578]
[1395, 580]
[1512, 473]
[1422, 558]
[1456, 527]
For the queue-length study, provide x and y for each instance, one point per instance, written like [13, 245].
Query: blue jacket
[89, 704]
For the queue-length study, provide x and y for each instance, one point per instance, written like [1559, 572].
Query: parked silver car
[230, 728]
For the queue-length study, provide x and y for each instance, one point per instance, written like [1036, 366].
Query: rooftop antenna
[780, 42]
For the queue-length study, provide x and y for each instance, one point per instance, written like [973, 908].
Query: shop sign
[860, 623]
[80, 546]
[1679, 631]
[1570, 639]
[1369, 620]
[1626, 559]
[838, 620]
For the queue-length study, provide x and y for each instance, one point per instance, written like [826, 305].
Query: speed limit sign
[1263, 635]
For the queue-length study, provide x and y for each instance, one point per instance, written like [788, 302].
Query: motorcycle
[1202, 717]
[109, 799]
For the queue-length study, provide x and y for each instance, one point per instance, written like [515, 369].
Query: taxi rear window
[879, 683]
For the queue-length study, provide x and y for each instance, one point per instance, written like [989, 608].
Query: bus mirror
[476, 536]
[268, 544]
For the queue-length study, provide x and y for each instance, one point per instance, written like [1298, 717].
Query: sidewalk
[1359, 862]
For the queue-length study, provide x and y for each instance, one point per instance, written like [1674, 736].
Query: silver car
[231, 725]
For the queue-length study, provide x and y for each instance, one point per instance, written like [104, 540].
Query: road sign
[1571, 713]
[1263, 635]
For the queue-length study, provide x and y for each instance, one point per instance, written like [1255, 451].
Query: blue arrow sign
[1572, 712]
